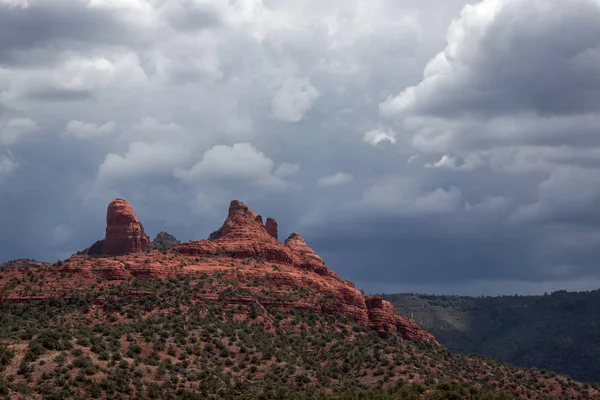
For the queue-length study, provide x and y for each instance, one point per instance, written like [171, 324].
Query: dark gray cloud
[479, 174]
[193, 16]
[42, 30]
[56, 94]
[513, 95]
[521, 61]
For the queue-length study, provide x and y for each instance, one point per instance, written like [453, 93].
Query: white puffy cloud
[468, 163]
[240, 162]
[15, 129]
[89, 73]
[89, 130]
[141, 160]
[337, 179]
[474, 92]
[294, 99]
[16, 3]
[447, 161]
[137, 5]
[377, 136]
[491, 33]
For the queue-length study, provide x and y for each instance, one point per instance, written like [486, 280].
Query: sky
[418, 145]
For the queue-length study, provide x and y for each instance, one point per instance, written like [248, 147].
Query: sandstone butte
[243, 247]
[124, 232]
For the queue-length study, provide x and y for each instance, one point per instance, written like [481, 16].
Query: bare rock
[164, 240]
[242, 235]
[271, 226]
[124, 232]
[305, 257]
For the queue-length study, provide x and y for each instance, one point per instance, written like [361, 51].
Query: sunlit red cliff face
[243, 248]
[124, 232]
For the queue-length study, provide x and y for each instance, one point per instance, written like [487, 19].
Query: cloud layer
[451, 148]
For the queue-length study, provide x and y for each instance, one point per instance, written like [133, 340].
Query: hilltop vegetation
[558, 331]
[238, 316]
[165, 344]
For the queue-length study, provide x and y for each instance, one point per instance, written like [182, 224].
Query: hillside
[559, 331]
[238, 316]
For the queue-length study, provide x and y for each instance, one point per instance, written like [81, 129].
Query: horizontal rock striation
[242, 235]
[124, 232]
[267, 272]
[305, 257]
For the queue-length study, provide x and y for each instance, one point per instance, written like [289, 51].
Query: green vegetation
[160, 339]
[558, 332]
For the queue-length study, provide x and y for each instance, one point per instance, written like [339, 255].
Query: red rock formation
[242, 235]
[242, 249]
[23, 263]
[271, 226]
[241, 222]
[305, 257]
[411, 331]
[381, 314]
[383, 318]
[124, 232]
[111, 272]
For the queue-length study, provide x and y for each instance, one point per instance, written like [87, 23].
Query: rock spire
[124, 232]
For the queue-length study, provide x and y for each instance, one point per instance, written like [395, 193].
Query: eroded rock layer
[305, 257]
[242, 235]
[271, 226]
[265, 271]
[124, 232]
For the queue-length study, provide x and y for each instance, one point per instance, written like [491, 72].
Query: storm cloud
[447, 149]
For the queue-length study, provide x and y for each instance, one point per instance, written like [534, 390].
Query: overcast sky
[438, 146]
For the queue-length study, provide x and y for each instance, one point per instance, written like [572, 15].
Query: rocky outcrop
[242, 235]
[409, 330]
[305, 257]
[381, 314]
[23, 263]
[111, 272]
[241, 223]
[271, 226]
[164, 241]
[243, 250]
[124, 232]
[383, 318]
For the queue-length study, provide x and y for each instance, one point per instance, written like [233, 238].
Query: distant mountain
[559, 331]
[239, 316]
